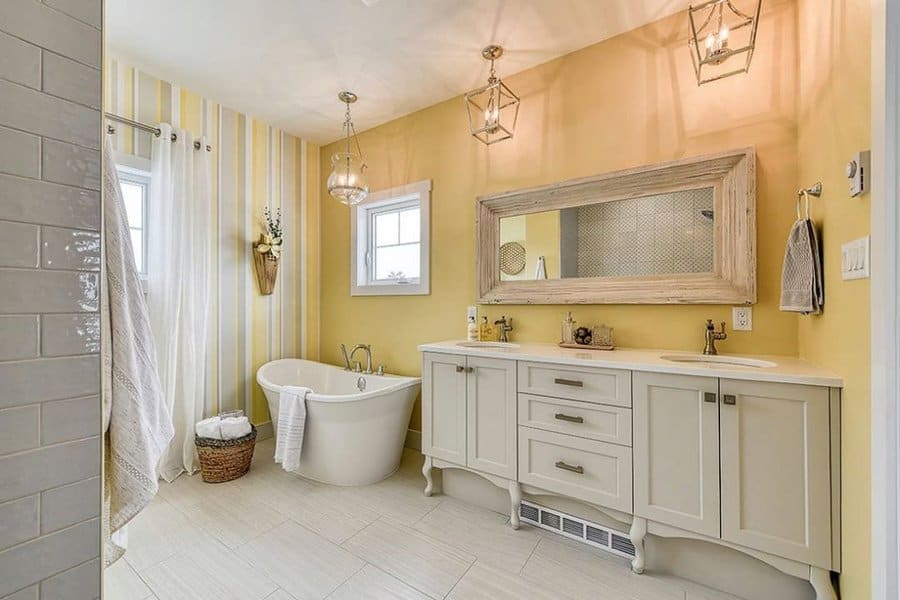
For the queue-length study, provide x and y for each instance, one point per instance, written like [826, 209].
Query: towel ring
[805, 193]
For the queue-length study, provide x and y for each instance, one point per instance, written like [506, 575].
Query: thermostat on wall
[857, 172]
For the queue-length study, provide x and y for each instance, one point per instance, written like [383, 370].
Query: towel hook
[805, 193]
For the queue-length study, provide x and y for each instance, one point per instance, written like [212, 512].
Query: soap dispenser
[486, 332]
[568, 329]
[472, 330]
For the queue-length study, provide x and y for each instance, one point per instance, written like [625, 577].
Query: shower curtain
[179, 286]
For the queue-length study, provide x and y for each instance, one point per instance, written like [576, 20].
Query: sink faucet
[505, 326]
[712, 335]
[348, 356]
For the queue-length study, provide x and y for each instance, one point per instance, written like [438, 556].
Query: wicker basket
[225, 460]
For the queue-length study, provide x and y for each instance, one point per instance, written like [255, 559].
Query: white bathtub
[352, 437]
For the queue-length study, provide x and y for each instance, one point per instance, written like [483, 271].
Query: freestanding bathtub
[353, 436]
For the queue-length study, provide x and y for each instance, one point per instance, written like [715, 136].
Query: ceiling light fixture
[494, 108]
[347, 182]
[724, 32]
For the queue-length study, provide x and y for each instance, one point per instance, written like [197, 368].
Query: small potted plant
[267, 252]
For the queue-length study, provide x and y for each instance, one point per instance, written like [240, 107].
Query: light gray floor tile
[232, 518]
[304, 564]
[120, 582]
[424, 563]
[482, 533]
[485, 583]
[371, 583]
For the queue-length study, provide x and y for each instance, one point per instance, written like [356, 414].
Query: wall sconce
[721, 32]
[494, 108]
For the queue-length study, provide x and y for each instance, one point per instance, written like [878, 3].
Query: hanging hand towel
[137, 425]
[541, 270]
[291, 426]
[801, 273]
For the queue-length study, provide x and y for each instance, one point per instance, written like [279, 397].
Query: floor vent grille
[574, 528]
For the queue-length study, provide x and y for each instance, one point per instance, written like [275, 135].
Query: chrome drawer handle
[729, 399]
[568, 418]
[710, 397]
[566, 467]
[570, 382]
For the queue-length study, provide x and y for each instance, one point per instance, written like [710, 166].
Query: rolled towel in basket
[234, 427]
[209, 428]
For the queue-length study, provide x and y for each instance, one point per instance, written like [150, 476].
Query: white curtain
[178, 285]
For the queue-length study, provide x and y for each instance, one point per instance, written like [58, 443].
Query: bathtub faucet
[348, 356]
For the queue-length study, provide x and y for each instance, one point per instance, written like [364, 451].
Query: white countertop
[786, 370]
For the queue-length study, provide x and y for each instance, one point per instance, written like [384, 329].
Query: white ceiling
[284, 61]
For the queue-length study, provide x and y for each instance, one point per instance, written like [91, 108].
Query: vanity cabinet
[469, 411]
[744, 461]
[676, 451]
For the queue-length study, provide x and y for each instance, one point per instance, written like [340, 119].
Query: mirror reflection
[651, 235]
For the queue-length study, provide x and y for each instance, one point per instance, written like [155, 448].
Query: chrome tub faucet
[712, 336]
[348, 358]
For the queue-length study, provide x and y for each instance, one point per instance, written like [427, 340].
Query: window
[390, 239]
[134, 180]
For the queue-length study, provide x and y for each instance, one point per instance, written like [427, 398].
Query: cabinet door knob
[729, 399]
[709, 397]
[460, 368]
[569, 382]
[470, 369]
[569, 418]
[567, 467]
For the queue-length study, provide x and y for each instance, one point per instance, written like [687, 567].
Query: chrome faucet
[505, 326]
[712, 335]
[348, 357]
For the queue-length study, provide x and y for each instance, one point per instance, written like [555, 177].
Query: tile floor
[275, 536]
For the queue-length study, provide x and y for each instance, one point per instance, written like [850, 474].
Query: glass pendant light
[494, 108]
[347, 182]
[720, 32]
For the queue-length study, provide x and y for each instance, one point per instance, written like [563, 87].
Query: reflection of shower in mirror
[708, 214]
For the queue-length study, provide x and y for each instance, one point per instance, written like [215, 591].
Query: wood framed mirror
[681, 232]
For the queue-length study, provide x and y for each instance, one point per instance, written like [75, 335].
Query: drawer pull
[729, 399]
[569, 382]
[566, 467]
[568, 418]
[709, 397]
[460, 368]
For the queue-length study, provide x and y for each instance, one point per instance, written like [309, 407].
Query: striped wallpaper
[253, 165]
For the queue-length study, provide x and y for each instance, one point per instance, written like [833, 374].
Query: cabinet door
[491, 431]
[776, 469]
[676, 451]
[444, 407]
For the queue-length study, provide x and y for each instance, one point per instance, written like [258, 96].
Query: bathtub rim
[403, 381]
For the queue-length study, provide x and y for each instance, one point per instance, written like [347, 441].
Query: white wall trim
[249, 280]
[885, 316]
[301, 219]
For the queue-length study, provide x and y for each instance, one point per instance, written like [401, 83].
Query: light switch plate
[855, 259]
[472, 312]
[742, 318]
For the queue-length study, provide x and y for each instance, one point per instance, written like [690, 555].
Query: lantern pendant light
[493, 109]
[720, 33]
[347, 182]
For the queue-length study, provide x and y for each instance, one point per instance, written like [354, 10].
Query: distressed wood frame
[732, 174]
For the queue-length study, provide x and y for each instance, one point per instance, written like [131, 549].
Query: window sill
[391, 289]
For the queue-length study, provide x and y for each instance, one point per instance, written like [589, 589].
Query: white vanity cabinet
[469, 412]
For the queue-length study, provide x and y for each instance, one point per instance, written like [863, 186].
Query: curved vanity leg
[637, 533]
[426, 471]
[515, 502]
[820, 580]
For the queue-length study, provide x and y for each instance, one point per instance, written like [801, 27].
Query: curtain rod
[110, 129]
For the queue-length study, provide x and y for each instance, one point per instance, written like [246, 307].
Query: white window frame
[361, 215]
[136, 169]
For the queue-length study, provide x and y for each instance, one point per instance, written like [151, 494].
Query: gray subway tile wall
[50, 445]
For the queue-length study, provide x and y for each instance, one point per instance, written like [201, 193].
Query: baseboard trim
[413, 439]
[264, 431]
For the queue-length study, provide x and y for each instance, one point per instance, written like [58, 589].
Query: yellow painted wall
[539, 235]
[631, 100]
[834, 122]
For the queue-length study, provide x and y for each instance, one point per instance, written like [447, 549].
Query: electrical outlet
[472, 312]
[742, 318]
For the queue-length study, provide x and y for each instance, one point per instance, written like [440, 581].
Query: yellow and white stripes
[254, 165]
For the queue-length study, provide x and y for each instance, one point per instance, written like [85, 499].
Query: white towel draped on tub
[136, 422]
[291, 425]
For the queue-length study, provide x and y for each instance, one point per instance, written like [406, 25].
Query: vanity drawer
[603, 386]
[595, 421]
[592, 471]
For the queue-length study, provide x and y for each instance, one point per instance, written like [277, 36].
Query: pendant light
[722, 33]
[347, 182]
[493, 109]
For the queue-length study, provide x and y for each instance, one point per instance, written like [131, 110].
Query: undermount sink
[734, 361]
[487, 344]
